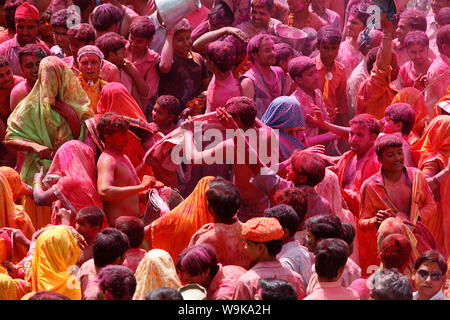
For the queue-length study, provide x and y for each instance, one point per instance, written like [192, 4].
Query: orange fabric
[434, 146]
[438, 111]
[40, 215]
[375, 93]
[92, 90]
[13, 177]
[262, 229]
[173, 231]
[14, 217]
[416, 100]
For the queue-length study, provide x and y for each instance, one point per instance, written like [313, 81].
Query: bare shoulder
[106, 160]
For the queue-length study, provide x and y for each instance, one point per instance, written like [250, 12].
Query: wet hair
[83, 4]
[255, 43]
[325, 226]
[163, 293]
[389, 284]
[171, 104]
[361, 16]
[349, 233]
[243, 108]
[3, 61]
[110, 42]
[223, 197]
[395, 251]
[443, 37]
[331, 254]
[416, 37]
[111, 122]
[277, 289]
[133, 227]
[443, 17]
[33, 49]
[222, 54]
[296, 198]
[299, 65]
[142, 27]
[48, 295]
[239, 46]
[10, 11]
[431, 256]
[368, 121]
[415, 19]
[92, 215]
[387, 141]
[105, 16]
[268, 4]
[197, 259]
[83, 32]
[221, 14]
[182, 26]
[287, 217]
[309, 164]
[404, 113]
[117, 281]
[61, 18]
[283, 52]
[330, 35]
[109, 245]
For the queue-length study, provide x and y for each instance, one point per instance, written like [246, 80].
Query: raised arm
[201, 43]
[165, 64]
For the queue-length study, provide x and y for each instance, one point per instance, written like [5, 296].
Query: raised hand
[318, 118]
[226, 119]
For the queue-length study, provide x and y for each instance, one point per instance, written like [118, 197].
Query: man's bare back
[121, 173]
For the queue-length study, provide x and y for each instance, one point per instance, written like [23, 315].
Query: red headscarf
[27, 11]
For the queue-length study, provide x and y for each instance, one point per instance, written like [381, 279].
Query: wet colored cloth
[155, 271]
[285, 113]
[227, 240]
[332, 291]
[439, 73]
[36, 121]
[266, 92]
[374, 198]
[8, 289]
[183, 221]
[349, 56]
[248, 284]
[223, 284]
[93, 90]
[56, 251]
[73, 176]
[434, 147]
[220, 91]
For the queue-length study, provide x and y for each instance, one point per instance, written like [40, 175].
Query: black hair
[349, 233]
[93, 215]
[223, 197]
[431, 256]
[331, 255]
[133, 227]
[286, 215]
[163, 293]
[109, 245]
[277, 289]
[325, 226]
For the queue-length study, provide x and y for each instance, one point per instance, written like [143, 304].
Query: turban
[90, 49]
[262, 229]
[27, 11]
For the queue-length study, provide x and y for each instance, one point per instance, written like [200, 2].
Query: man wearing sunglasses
[429, 276]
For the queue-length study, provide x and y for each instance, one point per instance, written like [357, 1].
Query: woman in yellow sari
[431, 154]
[52, 113]
[56, 253]
[173, 231]
[156, 270]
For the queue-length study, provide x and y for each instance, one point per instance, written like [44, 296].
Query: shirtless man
[118, 183]
[243, 112]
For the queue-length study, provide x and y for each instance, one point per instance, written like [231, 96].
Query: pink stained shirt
[10, 49]
[228, 242]
[223, 284]
[351, 272]
[439, 66]
[133, 257]
[219, 91]
[89, 280]
[147, 66]
[109, 72]
[332, 291]
[248, 284]
[349, 57]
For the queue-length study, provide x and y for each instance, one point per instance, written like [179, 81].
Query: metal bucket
[173, 11]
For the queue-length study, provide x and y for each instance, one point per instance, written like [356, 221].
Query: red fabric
[27, 11]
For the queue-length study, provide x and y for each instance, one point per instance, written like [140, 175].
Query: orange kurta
[374, 198]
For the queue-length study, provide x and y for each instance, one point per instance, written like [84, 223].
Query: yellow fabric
[56, 252]
[156, 270]
[92, 90]
[8, 289]
[39, 215]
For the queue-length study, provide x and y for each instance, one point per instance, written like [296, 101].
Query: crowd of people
[119, 179]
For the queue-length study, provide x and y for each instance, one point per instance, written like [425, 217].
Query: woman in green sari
[52, 114]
